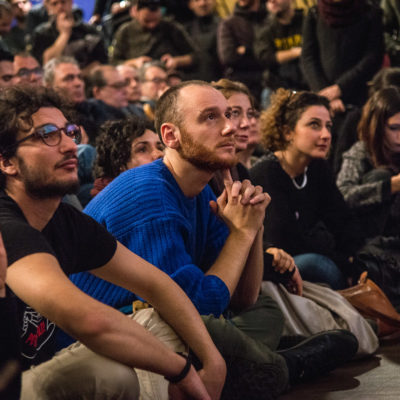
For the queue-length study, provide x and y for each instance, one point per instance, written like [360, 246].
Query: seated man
[9, 350]
[134, 88]
[65, 35]
[15, 39]
[110, 99]
[63, 74]
[46, 240]
[6, 69]
[27, 70]
[148, 36]
[166, 211]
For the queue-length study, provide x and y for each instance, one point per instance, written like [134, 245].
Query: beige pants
[77, 373]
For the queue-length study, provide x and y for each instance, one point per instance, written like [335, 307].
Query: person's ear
[170, 135]
[7, 166]
[133, 11]
[96, 91]
[288, 134]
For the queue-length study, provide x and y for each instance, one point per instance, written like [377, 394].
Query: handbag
[371, 302]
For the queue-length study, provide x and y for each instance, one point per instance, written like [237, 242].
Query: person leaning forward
[46, 240]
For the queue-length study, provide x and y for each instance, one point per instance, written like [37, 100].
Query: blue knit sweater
[145, 209]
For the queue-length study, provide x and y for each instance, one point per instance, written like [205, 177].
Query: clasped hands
[241, 205]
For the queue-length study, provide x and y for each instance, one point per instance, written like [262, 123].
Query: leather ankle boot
[319, 354]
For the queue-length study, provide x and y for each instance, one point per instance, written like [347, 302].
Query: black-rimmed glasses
[51, 134]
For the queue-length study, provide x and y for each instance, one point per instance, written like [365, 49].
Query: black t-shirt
[77, 241]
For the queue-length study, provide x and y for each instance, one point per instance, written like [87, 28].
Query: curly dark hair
[17, 105]
[285, 110]
[114, 145]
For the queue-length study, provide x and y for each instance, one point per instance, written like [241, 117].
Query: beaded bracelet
[183, 373]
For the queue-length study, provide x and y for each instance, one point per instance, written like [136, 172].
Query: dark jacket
[240, 30]
[204, 33]
[348, 56]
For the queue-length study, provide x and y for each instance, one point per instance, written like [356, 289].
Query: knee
[105, 379]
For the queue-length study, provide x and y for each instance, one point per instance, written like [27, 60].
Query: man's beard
[201, 157]
[36, 184]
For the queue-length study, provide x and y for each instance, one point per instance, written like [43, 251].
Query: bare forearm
[248, 288]
[57, 48]
[232, 259]
[166, 296]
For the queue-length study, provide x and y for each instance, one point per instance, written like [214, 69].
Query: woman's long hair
[371, 129]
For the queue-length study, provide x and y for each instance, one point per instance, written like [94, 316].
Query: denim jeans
[321, 269]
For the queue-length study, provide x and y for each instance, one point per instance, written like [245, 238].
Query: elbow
[89, 326]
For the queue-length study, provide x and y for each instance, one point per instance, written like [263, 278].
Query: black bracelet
[183, 373]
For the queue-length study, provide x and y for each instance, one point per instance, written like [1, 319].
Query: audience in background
[27, 70]
[278, 48]
[6, 17]
[149, 36]
[235, 44]
[391, 26]
[63, 74]
[134, 88]
[6, 69]
[15, 39]
[65, 34]
[202, 27]
[342, 50]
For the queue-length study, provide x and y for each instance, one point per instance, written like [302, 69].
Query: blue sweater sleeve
[162, 243]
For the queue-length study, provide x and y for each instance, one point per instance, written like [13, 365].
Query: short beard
[201, 157]
[37, 187]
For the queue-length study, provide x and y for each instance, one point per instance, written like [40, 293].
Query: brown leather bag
[372, 303]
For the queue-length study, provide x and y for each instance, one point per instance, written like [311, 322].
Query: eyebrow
[213, 108]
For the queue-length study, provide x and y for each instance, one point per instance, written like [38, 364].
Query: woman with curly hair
[307, 217]
[369, 178]
[121, 145]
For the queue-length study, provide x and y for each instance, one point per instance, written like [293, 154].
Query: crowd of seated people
[206, 139]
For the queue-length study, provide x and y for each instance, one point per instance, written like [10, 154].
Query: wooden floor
[375, 378]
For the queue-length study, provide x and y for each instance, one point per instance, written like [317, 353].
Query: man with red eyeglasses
[46, 240]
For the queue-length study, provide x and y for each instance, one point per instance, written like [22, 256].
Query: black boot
[319, 354]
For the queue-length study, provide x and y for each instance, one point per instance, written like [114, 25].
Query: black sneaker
[319, 354]
[248, 380]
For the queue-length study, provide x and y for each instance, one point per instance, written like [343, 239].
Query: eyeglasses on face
[51, 134]
[118, 85]
[25, 72]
